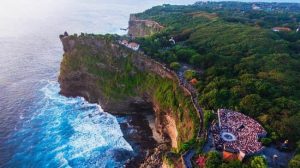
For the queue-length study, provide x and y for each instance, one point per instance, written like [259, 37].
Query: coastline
[92, 82]
[138, 130]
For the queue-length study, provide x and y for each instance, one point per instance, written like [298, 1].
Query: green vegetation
[195, 143]
[175, 66]
[214, 160]
[208, 118]
[233, 164]
[246, 66]
[119, 79]
[266, 141]
[258, 162]
[189, 74]
[295, 162]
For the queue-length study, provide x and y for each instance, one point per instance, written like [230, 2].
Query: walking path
[187, 156]
[194, 94]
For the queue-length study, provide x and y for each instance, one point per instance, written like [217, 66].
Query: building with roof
[124, 42]
[281, 29]
[255, 7]
[134, 46]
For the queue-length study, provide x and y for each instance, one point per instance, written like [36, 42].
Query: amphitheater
[237, 133]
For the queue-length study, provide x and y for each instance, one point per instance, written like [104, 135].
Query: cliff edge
[142, 28]
[122, 81]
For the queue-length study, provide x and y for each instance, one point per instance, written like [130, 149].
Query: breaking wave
[68, 132]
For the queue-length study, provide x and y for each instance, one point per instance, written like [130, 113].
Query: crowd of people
[245, 129]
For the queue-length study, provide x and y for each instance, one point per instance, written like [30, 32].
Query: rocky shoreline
[139, 128]
[88, 64]
[138, 133]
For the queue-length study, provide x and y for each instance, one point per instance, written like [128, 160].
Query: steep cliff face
[141, 28]
[127, 82]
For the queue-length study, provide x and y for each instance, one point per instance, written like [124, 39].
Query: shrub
[208, 117]
[295, 162]
[232, 164]
[185, 55]
[189, 74]
[213, 160]
[175, 66]
[274, 136]
[266, 141]
[258, 162]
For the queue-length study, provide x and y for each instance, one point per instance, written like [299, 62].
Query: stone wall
[141, 28]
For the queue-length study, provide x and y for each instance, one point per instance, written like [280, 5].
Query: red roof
[228, 156]
[194, 81]
[201, 161]
[281, 29]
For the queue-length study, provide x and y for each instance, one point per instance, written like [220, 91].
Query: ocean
[39, 127]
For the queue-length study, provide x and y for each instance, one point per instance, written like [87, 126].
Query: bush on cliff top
[117, 78]
[247, 67]
[175, 66]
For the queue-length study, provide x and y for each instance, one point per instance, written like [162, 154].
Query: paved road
[281, 161]
[187, 158]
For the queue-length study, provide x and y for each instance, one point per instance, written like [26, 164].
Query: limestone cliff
[126, 82]
[141, 28]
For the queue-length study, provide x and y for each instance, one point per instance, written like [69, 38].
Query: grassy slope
[247, 67]
[119, 79]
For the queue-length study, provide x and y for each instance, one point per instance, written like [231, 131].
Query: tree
[213, 160]
[264, 64]
[189, 74]
[197, 60]
[274, 136]
[168, 57]
[266, 141]
[251, 104]
[258, 162]
[295, 162]
[298, 147]
[184, 55]
[175, 66]
[233, 164]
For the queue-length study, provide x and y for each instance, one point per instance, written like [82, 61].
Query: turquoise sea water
[38, 127]
[68, 132]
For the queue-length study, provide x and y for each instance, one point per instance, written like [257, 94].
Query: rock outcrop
[126, 82]
[142, 28]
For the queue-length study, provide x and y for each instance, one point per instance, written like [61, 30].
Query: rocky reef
[125, 82]
[141, 28]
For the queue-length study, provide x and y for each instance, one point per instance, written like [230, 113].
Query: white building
[134, 46]
[255, 7]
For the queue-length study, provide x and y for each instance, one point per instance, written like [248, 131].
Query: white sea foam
[74, 133]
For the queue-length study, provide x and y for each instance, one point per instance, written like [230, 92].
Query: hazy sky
[16, 15]
[39, 15]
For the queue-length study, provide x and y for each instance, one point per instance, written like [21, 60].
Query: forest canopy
[244, 64]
